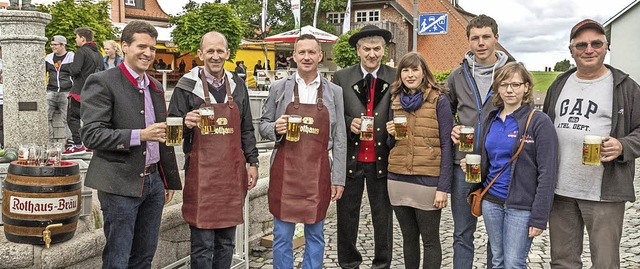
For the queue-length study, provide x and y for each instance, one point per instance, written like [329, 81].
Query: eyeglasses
[596, 44]
[514, 85]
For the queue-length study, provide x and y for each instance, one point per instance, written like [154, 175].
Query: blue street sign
[433, 23]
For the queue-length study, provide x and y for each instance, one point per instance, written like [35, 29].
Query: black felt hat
[369, 30]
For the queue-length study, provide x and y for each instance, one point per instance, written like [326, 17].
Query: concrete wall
[624, 43]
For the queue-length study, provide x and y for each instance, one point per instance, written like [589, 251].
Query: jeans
[73, 120]
[58, 101]
[567, 221]
[508, 232]
[283, 245]
[464, 224]
[348, 208]
[132, 225]
[416, 223]
[212, 248]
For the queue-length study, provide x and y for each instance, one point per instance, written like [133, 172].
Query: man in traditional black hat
[366, 91]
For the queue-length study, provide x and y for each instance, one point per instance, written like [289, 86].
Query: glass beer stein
[591, 149]
[467, 136]
[207, 120]
[293, 128]
[473, 173]
[366, 128]
[174, 131]
[400, 123]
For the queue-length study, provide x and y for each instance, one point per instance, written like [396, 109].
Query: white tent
[290, 36]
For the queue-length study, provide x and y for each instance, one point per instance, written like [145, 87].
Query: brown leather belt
[150, 169]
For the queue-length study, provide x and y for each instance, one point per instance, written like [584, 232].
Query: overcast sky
[535, 32]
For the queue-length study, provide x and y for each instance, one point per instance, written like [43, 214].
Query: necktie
[368, 83]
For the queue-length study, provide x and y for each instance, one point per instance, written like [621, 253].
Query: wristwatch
[257, 165]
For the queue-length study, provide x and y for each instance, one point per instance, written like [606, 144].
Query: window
[335, 17]
[367, 15]
[130, 3]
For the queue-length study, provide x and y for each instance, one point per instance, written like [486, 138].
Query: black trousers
[73, 120]
[348, 208]
[212, 248]
[416, 223]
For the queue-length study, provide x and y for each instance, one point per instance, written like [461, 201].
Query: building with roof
[622, 32]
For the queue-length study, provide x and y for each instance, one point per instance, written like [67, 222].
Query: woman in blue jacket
[516, 207]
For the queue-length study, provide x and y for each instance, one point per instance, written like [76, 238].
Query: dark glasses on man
[596, 44]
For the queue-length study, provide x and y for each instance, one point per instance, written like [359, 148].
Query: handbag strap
[514, 155]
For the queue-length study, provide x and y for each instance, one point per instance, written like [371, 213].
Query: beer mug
[467, 135]
[174, 131]
[366, 128]
[207, 120]
[473, 174]
[400, 123]
[293, 128]
[23, 154]
[591, 149]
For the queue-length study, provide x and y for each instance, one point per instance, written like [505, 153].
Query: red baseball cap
[588, 23]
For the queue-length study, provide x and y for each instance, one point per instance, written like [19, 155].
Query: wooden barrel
[34, 197]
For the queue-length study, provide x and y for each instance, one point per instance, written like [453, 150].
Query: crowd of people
[394, 131]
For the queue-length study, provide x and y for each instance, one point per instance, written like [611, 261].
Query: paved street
[539, 256]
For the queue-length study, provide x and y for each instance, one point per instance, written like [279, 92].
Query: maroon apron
[300, 176]
[216, 180]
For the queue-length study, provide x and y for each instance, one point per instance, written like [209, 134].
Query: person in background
[182, 67]
[58, 68]
[516, 207]
[241, 70]
[113, 56]
[257, 67]
[303, 195]
[217, 175]
[592, 99]
[366, 92]
[421, 164]
[133, 170]
[161, 64]
[86, 61]
[281, 62]
[194, 64]
[292, 63]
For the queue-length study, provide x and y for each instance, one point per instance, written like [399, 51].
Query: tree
[343, 54]
[198, 20]
[562, 66]
[279, 16]
[67, 15]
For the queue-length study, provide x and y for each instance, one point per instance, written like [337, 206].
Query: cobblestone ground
[539, 256]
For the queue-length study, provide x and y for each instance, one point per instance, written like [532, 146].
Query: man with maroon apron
[308, 174]
[217, 178]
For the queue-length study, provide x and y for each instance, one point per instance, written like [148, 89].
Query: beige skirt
[412, 195]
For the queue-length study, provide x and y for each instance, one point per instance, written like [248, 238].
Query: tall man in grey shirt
[592, 99]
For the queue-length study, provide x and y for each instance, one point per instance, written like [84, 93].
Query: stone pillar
[25, 106]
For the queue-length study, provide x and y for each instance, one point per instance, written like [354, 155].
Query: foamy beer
[400, 123]
[366, 128]
[207, 120]
[293, 128]
[174, 131]
[473, 174]
[466, 139]
[591, 149]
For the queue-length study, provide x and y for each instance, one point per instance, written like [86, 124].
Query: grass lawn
[542, 80]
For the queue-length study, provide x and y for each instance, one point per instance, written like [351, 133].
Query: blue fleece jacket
[534, 172]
